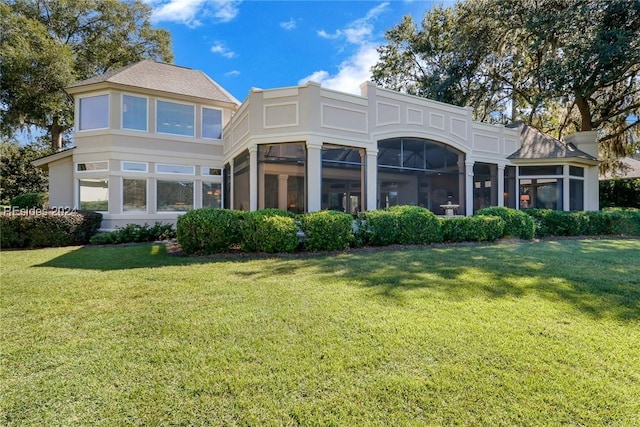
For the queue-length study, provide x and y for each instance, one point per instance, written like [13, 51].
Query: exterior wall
[116, 145]
[61, 185]
[320, 116]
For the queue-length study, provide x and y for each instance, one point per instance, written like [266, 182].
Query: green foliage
[327, 230]
[624, 193]
[207, 231]
[472, 229]
[577, 223]
[30, 200]
[559, 66]
[381, 227]
[559, 223]
[516, 223]
[269, 230]
[26, 230]
[416, 225]
[17, 175]
[132, 233]
[48, 45]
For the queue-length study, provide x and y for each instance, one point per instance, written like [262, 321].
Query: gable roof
[163, 77]
[629, 168]
[539, 146]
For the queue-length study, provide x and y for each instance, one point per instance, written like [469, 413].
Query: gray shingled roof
[165, 78]
[630, 168]
[537, 145]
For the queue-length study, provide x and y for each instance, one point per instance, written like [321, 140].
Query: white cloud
[191, 12]
[351, 73]
[232, 73]
[289, 25]
[221, 49]
[358, 31]
[354, 70]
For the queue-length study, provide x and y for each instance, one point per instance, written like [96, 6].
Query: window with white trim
[174, 196]
[174, 118]
[92, 166]
[134, 166]
[211, 123]
[134, 195]
[94, 194]
[94, 112]
[134, 113]
[176, 169]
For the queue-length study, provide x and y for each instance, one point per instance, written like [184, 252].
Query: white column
[314, 175]
[372, 179]
[253, 178]
[566, 205]
[283, 189]
[230, 195]
[587, 141]
[468, 179]
[501, 185]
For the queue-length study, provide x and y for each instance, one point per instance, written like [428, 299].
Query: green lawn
[519, 333]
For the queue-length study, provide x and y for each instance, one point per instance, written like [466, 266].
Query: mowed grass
[515, 333]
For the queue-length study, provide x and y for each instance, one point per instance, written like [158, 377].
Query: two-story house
[153, 140]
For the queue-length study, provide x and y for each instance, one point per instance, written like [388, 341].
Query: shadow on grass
[598, 277]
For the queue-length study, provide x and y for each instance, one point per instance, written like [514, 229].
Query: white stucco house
[153, 140]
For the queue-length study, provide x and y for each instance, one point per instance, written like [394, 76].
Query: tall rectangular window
[576, 195]
[134, 195]
[211, 195]
[211, 123]
[174, 196]
[175, 119]
[134, 112]
[94, 112]
[94, 194]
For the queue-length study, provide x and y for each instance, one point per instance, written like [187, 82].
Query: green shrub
[30, 200]
[416, 225]
[381, 227]
[131, 233]
[207, 231]
[559, 223]
[269, 230]
[620, 193]
[327, 230]
[47, 229]
[472, 229]
[516, 223]
[625, 221]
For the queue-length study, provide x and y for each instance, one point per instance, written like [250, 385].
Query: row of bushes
[47, 228]
[612, 221]
[206, 231]
[134, 233]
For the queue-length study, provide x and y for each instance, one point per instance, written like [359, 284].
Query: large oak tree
[559, 65]
[47, 44]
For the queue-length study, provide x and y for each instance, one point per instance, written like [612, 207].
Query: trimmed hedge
[516, 223]
[269, 230]
[207, 231]
[30, 200]
[472, 229]
[47, 228]
[134, 233]
[406, 225]
[380, 227]
[417, 225]
[620, 193]
[578, 223]
[327, 230]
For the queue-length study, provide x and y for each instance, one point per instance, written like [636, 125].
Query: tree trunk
[56, 130]
[585, 113]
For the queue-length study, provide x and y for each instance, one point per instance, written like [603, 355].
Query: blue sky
[268, 44]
